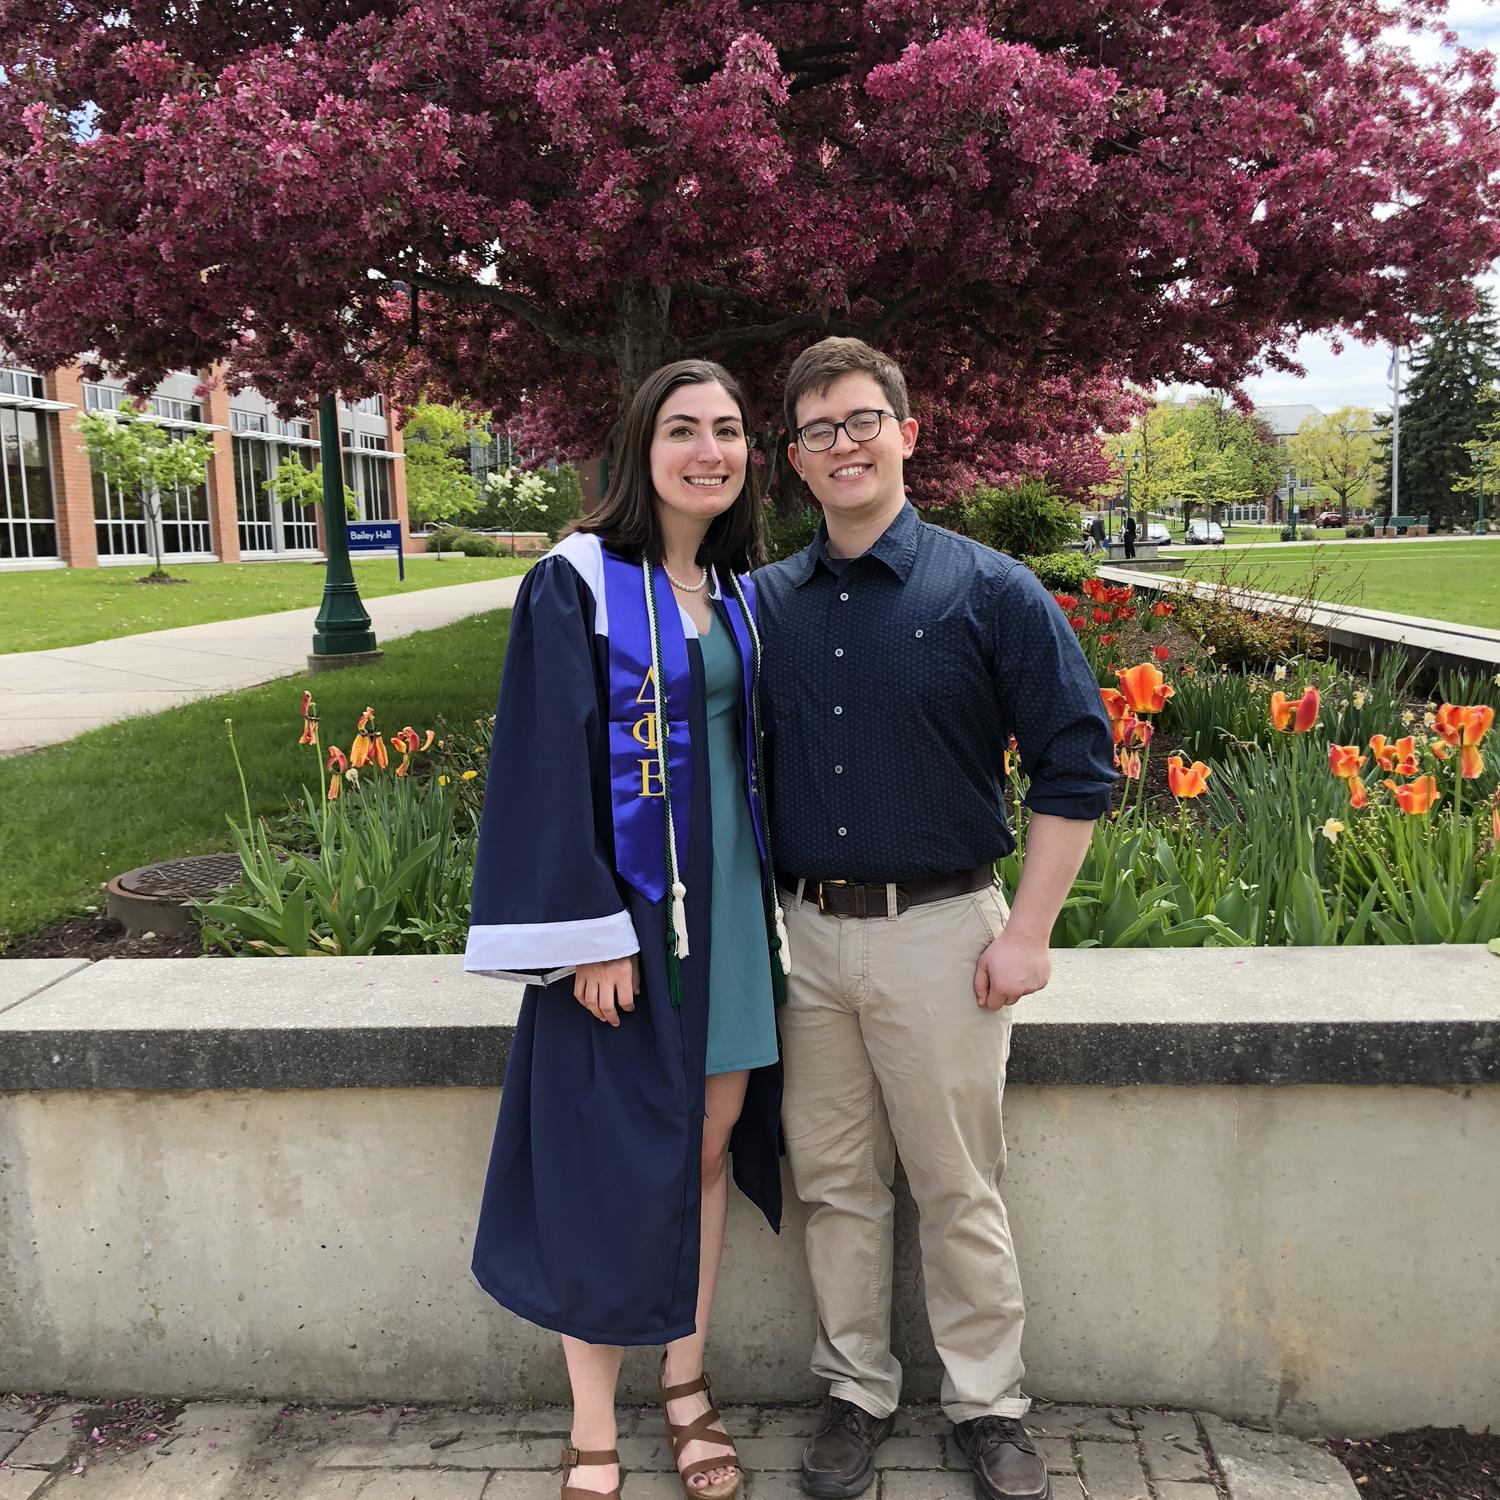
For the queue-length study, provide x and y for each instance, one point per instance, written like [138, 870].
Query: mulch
[98, 936]
[1427, 1463]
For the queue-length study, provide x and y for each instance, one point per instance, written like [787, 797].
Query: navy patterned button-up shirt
[892, 683]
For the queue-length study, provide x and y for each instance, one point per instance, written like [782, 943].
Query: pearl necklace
[687, 588]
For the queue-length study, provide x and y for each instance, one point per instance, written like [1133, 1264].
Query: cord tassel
[784, 948]
[679, 917]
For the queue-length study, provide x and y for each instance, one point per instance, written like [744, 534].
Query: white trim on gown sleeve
[541, 952]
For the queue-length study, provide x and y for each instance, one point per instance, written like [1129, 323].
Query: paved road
[50, 696]
[252, 1450]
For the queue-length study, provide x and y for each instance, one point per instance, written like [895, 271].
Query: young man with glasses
[899, 660]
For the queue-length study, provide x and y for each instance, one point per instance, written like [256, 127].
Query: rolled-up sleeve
[1052, 702]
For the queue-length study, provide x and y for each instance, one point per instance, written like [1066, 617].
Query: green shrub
[470, 543]
[1308, 534]
[786, 535]
[1287, 534]
[1026, 520]
[1240, 637]
[1368, 529]
[1354, 531]
[1061, 572]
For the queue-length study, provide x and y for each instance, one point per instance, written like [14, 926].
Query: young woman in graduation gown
[624, 873]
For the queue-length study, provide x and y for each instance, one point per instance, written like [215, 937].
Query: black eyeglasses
[859, 426]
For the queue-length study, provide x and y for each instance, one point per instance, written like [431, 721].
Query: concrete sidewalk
[165, 1450]
[50, 696]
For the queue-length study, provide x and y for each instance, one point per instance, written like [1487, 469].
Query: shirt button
[843, 832]
[838, 710]
[844, 598]
[919, 635]
[838, 770]
[838, 651]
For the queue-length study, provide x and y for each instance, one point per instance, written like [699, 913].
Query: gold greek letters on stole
[644, 732]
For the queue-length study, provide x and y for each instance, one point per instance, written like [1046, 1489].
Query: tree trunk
[642, 341]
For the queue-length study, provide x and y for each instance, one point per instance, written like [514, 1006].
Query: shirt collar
[896, 546]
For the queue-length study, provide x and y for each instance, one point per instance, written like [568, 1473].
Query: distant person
[1127, 535]
[1097, 540]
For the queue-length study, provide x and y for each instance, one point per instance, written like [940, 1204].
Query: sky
[1357, 377]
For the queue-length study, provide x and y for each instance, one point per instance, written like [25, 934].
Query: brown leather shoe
[1006, 1465]
[839, 1460]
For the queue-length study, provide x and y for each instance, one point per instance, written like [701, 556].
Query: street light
[342, 636]
[1484, 463]
[1135, 453]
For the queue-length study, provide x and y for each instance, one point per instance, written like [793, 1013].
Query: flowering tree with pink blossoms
[1028, 203]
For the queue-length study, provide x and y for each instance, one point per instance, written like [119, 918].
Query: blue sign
[378, 536]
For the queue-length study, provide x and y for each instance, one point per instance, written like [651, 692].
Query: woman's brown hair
[626, 520]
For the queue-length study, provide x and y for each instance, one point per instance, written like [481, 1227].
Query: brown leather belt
[841, 898]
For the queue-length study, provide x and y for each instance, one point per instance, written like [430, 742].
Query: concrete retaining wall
[1265, 1183]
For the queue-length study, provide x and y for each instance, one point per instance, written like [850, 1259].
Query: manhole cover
[182, 879]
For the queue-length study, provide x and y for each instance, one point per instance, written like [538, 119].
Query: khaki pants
[886, 1051]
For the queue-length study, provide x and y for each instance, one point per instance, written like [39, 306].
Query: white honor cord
[674, 881]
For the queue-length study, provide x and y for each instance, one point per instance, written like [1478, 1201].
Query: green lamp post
[1484, 463]
[342, 636]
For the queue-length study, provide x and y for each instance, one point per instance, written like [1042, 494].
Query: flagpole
[1396, 435]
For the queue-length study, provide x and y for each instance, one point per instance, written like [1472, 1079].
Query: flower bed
[1280, 802]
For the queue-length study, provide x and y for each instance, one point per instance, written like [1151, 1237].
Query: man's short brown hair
[816, 369]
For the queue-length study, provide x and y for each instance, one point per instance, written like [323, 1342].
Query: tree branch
[556, 332]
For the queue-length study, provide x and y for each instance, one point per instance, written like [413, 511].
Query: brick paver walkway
[265, 1451]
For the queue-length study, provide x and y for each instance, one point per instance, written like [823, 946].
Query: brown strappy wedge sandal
[574, 1458]
[701, 1428]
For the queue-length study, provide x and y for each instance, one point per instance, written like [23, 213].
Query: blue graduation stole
[635, 722]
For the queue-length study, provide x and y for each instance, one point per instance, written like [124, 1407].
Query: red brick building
[56, 512]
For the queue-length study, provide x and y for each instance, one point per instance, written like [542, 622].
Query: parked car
[1330, 518]
[1156, 531]
[1201, 533]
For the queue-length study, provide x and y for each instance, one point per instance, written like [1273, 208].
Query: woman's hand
[604, 990]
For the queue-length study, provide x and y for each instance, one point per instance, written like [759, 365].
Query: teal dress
[741, 1011]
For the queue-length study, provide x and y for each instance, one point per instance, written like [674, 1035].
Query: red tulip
[1161, 653]
[1304, 708]
[1162, 608]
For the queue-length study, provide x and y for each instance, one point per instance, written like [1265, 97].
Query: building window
[265, 527]
[370, 406]
[123, 529]
[367, 473]
[249, 421]
[298, 427]
[28, 521]
[22, 383]
[167, 408]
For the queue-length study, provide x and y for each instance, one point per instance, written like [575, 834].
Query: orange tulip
[1399, 756]
[1417, 796]
[1161, 609]
[1358, 795]
[1297, 714]
[1095, 588]
[1011, 760]
[1144, 688]
[1345, 760]
[1184, 780]
[1115, 703]
[309, 732]
[1495, 817]
[1464, 728]
[307, 705]
[1130, 764]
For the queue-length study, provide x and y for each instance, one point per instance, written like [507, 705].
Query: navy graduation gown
[590, 1218]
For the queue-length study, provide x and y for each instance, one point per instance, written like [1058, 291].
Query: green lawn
[69, 606]
[1458, 580]
[159, 786]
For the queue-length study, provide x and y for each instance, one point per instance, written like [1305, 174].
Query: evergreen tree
[1442, 410]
